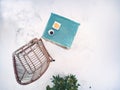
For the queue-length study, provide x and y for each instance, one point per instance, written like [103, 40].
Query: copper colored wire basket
[31, 61]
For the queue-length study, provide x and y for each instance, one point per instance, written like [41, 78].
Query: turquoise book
[60, 30]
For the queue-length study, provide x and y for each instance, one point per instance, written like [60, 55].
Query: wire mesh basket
[31, 61]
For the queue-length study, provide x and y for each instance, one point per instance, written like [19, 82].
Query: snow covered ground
[94, 56]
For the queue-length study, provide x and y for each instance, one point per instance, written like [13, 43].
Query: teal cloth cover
[60, 30]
